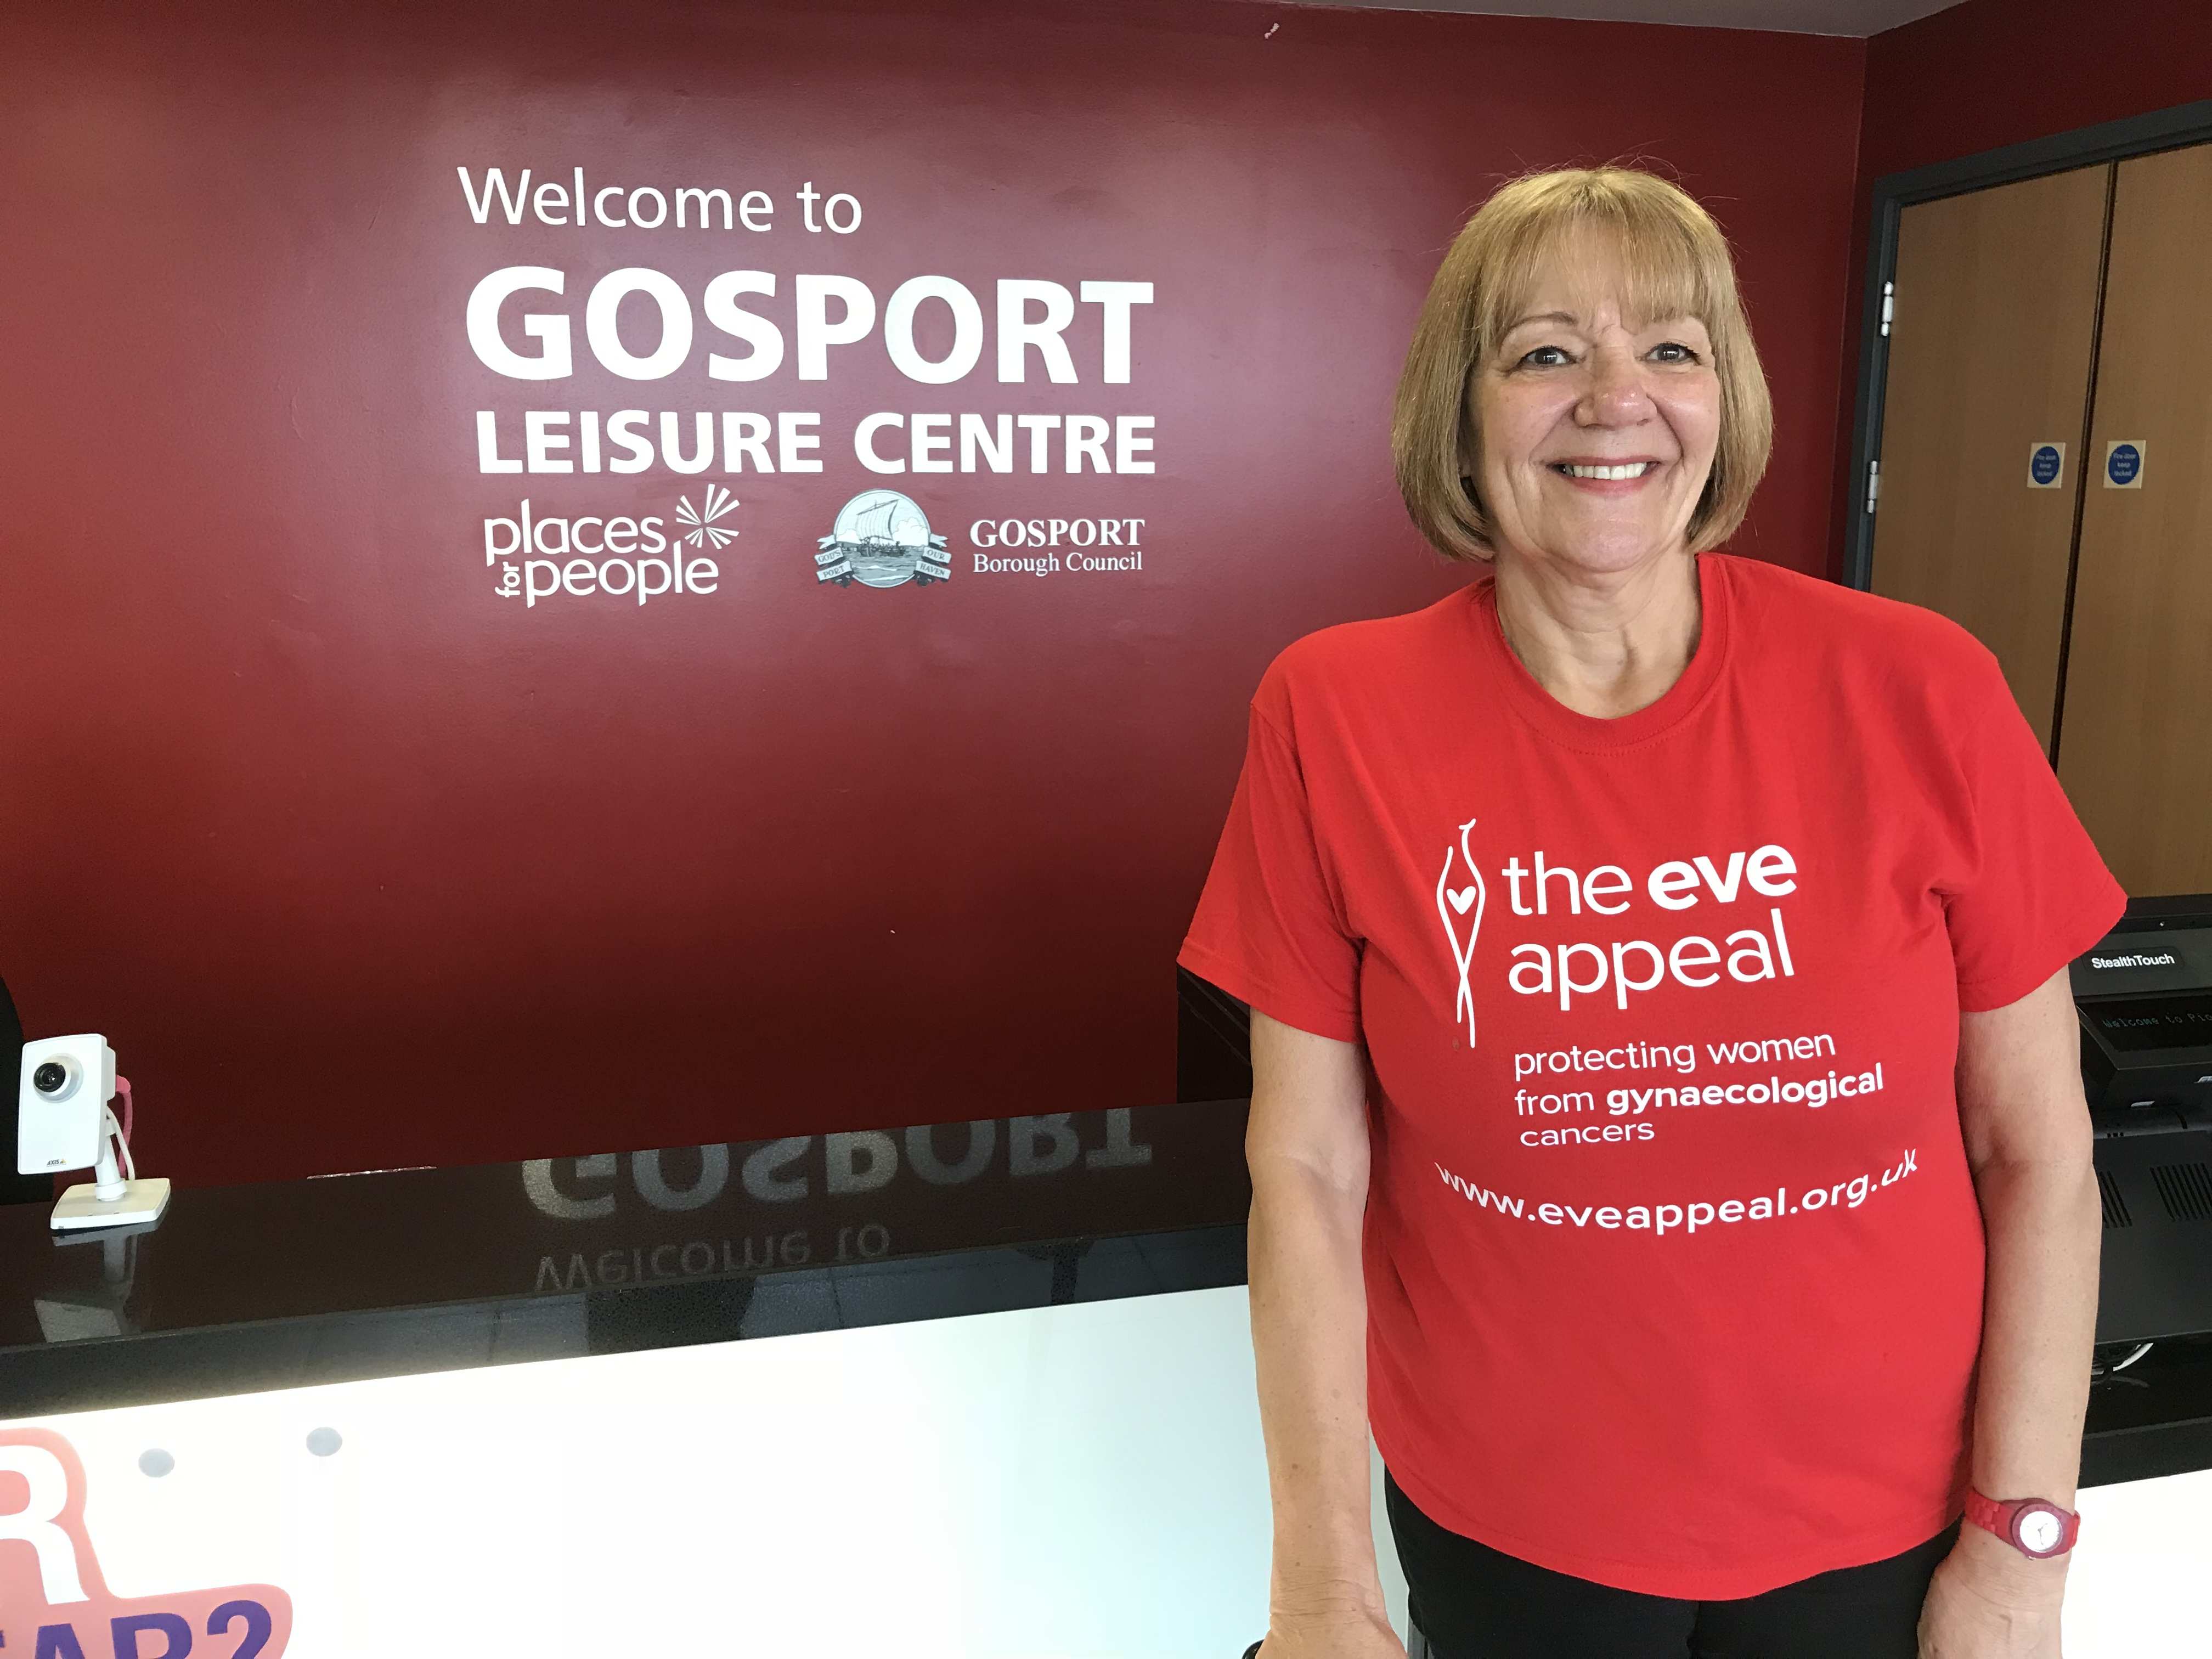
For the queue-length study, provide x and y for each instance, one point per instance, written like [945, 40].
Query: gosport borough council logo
[881, 540]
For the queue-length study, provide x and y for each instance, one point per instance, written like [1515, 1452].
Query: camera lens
[49, 1078]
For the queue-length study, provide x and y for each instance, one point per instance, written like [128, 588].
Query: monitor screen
[2141, 1022]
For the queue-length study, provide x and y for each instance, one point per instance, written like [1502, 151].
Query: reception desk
[978, 1389]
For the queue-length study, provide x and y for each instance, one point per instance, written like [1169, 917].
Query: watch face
[2039, 1531]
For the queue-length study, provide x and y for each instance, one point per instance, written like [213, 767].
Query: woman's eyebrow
[1566, 317]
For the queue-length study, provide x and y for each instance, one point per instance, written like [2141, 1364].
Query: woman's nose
[1615, 394]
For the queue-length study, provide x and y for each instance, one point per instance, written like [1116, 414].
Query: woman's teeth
[1633, 470]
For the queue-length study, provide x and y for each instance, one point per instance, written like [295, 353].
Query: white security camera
[63, 1123]
[62, 1105]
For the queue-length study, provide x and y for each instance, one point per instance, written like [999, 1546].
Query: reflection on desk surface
[560, 1227]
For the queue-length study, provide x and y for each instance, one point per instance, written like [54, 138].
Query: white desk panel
[1080, 1482]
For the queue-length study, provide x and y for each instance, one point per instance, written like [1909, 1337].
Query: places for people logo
[54, 1601]
[881, 540]
[630, 557]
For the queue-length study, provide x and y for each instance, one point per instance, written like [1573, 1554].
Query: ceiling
[1854, 17]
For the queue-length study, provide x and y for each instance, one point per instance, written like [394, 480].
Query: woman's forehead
[1581, 273]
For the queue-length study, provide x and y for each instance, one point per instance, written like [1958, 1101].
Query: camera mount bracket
[107, 1199]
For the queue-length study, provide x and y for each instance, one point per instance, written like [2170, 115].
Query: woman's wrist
[2002, 1574]
[1318, 1600]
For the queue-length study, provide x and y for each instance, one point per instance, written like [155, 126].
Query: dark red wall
[1995, 72]
[360, 865]
[1990, 73]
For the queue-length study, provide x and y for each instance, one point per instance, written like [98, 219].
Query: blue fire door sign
[2045, 463]
[2124, 464]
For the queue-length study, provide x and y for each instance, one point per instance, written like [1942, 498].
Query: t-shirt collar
[1515, 686]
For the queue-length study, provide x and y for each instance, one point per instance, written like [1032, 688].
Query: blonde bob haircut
[1675, 262]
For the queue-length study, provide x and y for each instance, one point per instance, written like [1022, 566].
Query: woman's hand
[1335, 1636]
[1988, 1601]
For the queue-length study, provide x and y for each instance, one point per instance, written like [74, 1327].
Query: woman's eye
[1674, 352]
[1546, 356]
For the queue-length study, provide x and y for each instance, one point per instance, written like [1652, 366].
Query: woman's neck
[1604, 643]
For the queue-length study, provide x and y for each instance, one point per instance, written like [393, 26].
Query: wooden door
[1989, 357]
[2135, 738]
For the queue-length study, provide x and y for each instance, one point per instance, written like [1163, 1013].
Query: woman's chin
[1607, 554]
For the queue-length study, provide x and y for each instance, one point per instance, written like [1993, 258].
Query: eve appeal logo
[1455, 902]
[54, 1604]
[1572, 968]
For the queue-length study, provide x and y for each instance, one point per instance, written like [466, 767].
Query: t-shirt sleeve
[2036, 894]
[1269, 927]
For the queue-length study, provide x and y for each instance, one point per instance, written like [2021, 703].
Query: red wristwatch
[2033, 1526]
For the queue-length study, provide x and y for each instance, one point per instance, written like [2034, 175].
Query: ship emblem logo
[881, 540]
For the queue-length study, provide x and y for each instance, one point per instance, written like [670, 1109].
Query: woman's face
[1597, 429]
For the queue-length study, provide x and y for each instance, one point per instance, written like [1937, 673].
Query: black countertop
[398, 1272]
[290, 1282]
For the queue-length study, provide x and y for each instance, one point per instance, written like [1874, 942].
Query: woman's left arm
[2027, 1129]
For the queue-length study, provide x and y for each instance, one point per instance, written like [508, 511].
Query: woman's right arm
[1307, 1146]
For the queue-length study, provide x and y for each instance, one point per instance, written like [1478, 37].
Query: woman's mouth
[1609, 472]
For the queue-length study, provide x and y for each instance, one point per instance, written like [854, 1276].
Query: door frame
[2112, 141]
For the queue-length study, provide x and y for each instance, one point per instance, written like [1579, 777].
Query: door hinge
[1874, 484]
[1888, 307]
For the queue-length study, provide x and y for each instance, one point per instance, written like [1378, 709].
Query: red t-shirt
[1674, 1263]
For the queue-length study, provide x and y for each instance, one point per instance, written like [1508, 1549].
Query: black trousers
[1474, 1602]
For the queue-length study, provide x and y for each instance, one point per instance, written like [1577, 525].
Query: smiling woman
[1725, 1463]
